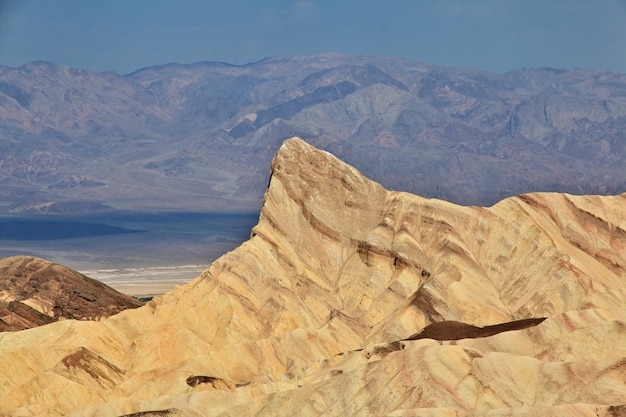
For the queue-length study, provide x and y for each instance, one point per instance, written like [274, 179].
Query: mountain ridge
[34, 292]
[75, 140]
[308, 316]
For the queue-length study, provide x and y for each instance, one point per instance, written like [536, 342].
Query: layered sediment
[353, 300]
[34, 292]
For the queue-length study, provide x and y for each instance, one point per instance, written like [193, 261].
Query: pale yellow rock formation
[305, 318]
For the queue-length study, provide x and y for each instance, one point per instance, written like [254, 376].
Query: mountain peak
[353, 300]
[461, 135]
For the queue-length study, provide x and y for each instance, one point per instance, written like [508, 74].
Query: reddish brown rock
[34, 292]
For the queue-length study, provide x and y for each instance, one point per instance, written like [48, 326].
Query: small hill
[34, 292]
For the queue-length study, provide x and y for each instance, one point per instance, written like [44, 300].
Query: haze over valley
[77, 144]
[140, 254]
[199, 137]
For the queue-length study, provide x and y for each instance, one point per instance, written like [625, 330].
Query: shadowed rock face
[159, 413]
[313, 315]
[34, 292]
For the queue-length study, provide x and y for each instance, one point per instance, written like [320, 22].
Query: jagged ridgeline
[199, 137]
[352, 300]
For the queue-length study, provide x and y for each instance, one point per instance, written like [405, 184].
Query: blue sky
[494, 35]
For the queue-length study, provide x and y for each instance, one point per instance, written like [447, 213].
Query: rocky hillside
[352, 300]
[199, 137]
[34, 292]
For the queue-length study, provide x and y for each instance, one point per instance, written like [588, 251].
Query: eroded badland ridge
[34, 292]
[320, 313]
[199, 137]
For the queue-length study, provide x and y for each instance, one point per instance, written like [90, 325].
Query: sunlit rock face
[352, 300]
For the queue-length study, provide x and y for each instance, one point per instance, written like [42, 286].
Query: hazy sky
[495, 35]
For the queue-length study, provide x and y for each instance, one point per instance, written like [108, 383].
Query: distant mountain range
[199, 137]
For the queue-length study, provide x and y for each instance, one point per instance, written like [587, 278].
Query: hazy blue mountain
[200, 137]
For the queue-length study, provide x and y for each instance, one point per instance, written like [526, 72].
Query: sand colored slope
[309, 316]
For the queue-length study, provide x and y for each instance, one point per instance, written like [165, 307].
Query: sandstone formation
[34, 292]
[320, 314]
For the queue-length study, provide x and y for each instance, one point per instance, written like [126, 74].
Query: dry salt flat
[146, 282]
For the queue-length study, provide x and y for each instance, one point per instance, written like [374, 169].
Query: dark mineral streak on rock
[455, 330]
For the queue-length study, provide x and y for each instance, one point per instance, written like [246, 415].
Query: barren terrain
[34, 292]
[352, 300]
[199, 137]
